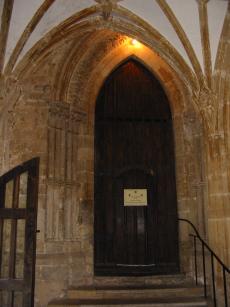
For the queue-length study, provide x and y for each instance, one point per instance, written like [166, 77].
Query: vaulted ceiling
[192, 27]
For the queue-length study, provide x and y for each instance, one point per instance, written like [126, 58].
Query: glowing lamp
[134, 42]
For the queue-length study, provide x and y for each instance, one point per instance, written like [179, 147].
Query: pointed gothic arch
[134, 153]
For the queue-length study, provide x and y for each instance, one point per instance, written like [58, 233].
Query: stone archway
[77, 55]
[61, 123]
[134, 149]
[187, 129]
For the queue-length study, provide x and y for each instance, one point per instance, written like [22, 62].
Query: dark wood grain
[134, 148]
[29, 215]
[13, 237]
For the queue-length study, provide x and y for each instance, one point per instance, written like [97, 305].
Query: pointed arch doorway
[135, 219]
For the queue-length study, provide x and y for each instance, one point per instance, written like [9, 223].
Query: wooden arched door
[135, 191]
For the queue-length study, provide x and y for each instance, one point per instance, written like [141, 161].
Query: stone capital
[107, 7]
[202, 1]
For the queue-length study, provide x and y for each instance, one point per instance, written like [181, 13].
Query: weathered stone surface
[51, 115]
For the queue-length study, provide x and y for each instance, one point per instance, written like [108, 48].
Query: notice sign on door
[135, 197]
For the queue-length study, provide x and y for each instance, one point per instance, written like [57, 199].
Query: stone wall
[50, 114]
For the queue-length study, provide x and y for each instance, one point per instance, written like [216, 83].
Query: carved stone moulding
[65, 111]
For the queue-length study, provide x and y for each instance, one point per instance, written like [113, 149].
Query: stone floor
[173, 291]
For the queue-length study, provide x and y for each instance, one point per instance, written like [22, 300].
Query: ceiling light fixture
[134, 42]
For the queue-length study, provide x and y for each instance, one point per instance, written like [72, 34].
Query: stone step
[160, 302]
[132, 281]
[143, 281]
[134, 292]
[155, 291]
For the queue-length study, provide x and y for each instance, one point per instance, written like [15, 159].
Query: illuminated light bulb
[134, 42]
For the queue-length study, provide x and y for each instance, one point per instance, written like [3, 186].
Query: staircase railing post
[213, 255]
[195, 259]
[213, 281]
[225, 288]
[204, 271]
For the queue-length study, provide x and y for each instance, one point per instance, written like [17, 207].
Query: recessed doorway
[136, 230]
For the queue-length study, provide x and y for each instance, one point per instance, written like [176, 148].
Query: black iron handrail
[213, 255]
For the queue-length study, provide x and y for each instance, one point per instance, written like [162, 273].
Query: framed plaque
[135, 197]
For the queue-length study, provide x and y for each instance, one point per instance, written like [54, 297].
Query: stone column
[219, 195]
[62, 184]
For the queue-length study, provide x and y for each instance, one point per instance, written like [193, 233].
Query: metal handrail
[213, 255]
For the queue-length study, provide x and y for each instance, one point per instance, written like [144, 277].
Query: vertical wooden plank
[10, 299]
[2, 205]
[130, 114]
[2, 194]
[27, 285]
[1, 238]
[31, 226]
[13, 236]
